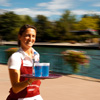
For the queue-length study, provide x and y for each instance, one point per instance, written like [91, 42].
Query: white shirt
[14, 61]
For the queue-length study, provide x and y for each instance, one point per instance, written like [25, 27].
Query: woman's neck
[28, 51]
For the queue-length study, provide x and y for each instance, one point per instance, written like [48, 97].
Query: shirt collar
[25, 54]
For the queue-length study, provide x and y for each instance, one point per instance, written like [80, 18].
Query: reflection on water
[57, 63]
[3, 57]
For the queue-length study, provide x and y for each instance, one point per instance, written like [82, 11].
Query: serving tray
[51, 76]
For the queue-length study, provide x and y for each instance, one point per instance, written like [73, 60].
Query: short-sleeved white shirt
[14, 61]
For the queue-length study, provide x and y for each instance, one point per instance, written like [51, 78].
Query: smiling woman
[26, 33]
[23, 88]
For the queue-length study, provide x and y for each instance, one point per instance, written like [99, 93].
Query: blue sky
[53, 9]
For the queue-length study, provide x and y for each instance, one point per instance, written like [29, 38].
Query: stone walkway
[67, 87]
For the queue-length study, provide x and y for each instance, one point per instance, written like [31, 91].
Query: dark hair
[23, 29]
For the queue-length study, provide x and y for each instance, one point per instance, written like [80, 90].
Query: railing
[57, 64]
[3, 57]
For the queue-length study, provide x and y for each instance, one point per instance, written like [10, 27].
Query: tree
[44, 30]
[87, 23]
[8, 24]
[67, 21]
[58, 31]
[26, 19]
[65, 25]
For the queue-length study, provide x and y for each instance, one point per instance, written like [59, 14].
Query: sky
[52, 9]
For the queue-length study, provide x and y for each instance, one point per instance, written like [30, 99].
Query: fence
[57, 64]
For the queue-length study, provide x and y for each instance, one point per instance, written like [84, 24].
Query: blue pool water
[57, 63]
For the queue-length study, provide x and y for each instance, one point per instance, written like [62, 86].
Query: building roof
[88, 31]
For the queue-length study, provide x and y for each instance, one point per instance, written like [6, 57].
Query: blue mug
[38, 69]
[45, 69]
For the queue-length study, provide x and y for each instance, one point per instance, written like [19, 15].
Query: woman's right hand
[30, 80]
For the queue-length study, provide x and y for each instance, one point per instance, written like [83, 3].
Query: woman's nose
[30, 38]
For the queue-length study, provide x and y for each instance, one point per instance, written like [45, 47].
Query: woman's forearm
[17, 87]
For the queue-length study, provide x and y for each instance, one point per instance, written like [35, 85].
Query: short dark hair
[23, 29]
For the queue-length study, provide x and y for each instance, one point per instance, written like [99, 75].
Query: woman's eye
[33, 36]
[27, 36]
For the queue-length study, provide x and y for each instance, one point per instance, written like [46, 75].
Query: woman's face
[28, 38]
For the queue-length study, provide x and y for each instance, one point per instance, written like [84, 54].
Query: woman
[21, 62]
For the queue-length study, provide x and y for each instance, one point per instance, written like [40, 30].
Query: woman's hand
[30, 80]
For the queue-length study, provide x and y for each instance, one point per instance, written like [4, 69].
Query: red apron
[30, 90]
